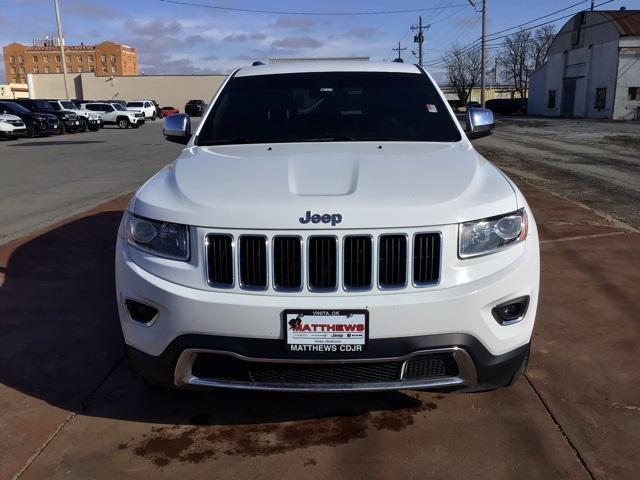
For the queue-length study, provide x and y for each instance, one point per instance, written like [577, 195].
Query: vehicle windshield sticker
[432, 108]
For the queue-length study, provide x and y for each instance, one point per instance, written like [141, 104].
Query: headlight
[164, 239]
[482, 237]
[3, 121]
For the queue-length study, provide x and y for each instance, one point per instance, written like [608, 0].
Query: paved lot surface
[594, 162]
[69, 408]
[45, 179]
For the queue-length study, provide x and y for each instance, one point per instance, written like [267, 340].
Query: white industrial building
[592, 68]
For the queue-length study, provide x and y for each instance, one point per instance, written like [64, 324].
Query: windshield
[68, 105]
[134, 104]
[55, 105]
[14, 107]
[43, 105]
[118, 107]
[329, 106]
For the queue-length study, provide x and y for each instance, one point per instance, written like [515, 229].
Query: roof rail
[398, 60]
[257, 63]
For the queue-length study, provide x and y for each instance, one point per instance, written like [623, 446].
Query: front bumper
[16, 132]
[455, 320]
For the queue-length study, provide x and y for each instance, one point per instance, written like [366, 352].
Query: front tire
[153, 117]
[84, 126]
[123, 123]
[30, 133]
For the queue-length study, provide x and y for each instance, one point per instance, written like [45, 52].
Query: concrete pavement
[69, 409]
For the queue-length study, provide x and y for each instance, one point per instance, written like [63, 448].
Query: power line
[310, 13]
[475, 43]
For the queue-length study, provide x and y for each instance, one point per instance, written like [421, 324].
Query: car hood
[8, 116]
[371, 185]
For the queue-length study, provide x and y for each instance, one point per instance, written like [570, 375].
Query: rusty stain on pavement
[199, 442]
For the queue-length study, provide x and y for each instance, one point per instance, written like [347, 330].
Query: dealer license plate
[317, 331]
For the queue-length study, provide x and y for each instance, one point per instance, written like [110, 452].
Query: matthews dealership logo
[332, 218]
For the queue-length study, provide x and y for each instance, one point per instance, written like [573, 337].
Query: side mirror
[177, 128]
[480, 122]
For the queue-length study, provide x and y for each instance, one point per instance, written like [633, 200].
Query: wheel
[84, 126]
[521, 370]
[123, 123]
[30, 133]
[93, 128]
[153, 117]
[135, 125]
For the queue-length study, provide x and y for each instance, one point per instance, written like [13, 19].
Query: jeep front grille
[323, 263]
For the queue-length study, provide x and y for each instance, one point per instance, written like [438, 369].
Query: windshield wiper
[336, 138]
[225, 141]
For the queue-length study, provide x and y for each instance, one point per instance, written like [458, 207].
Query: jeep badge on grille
[332, 218]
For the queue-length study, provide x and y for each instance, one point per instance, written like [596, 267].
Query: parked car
[507, 106]
[195, 108]
[145, 106]
[88, 120]
[166, 111]
[36, 124]
[69, 122]
[11, 126]
[116, 114]
[328, 227]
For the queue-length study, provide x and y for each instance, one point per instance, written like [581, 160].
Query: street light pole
[61, 43]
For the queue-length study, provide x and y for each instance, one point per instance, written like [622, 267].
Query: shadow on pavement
[61, 342]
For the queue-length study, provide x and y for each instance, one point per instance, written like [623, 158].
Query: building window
[36, 69]
[113, 57]
[79, 58]
[634, 93]
[601, 98]
[21, 59]
[69, 70]
[104, 69]
[47, 70]
[58, 70]
[79, 69]
[92, 68]
[551, 102]
[46, 58]
[103, 58]
[35, 59]
[58, 58]
[90, 58]
[21, 69]
[113, 69]
[12, 59]
[68, 58]
[13, 69]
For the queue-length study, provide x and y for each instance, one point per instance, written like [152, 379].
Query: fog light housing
[511, 312]
[141, 312]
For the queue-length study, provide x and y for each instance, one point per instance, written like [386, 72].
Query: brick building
[105, 59]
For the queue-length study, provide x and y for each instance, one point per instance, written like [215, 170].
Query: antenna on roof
[398, 60]
[257, 63]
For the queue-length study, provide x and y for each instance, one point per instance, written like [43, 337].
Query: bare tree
[463, 70]
[522, 53]
[542, 40]
[515, 60]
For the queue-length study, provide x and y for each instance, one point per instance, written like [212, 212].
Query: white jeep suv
[328, 227]
[88, 120]
[12, 126]
[116, 114]
[145, 106]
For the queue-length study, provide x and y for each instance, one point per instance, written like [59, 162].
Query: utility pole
[399, 50]
[484, 50]
[419, 37]
[61, 42]
[592, 2]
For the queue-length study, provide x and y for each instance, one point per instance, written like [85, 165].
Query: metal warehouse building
[592, 68]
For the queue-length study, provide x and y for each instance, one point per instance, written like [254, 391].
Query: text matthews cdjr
[328, 227]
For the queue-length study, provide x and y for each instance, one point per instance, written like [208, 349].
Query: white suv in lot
[88, 120]
[145, 106]
[116, 114]
[328, 227]
[11, 126]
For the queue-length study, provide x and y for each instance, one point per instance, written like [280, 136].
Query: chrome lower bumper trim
[467, 376]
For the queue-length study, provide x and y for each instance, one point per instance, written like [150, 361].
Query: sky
[174, 38]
